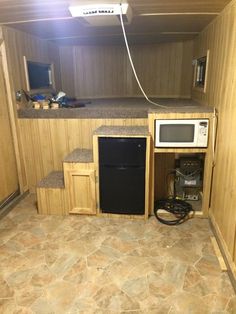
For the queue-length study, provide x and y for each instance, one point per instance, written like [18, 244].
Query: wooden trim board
[218, 254]
[231, 267]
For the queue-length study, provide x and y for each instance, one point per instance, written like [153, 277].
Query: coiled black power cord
[179, 208]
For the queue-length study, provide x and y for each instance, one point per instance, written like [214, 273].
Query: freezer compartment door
[122, 151]
[122, 190]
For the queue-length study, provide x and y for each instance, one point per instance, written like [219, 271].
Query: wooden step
[54, 180]
[51, 195]
[79, 155]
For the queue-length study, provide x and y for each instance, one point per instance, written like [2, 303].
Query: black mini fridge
[122, 175]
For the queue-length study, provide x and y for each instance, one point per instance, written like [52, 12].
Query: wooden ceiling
[153, 20]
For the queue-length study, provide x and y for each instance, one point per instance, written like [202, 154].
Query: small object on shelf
[44, 105]
[36, 105]
[54, 105]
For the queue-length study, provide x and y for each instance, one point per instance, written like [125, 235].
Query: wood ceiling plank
[118, 39]
[15, 10]
[180, 16]
[178, 6]
[73, 27]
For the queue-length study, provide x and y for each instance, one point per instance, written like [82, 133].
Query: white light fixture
[98, 9]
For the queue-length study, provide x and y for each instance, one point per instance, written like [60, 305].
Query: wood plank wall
[220, 38]
[46, 142]
[19, 44]
[165, 70]
[8, 170]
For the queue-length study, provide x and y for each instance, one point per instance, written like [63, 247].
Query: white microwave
[181, 133]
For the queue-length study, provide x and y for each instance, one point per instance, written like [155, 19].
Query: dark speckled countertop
[80, 155]
[122, 130]
[117, 108]
[54, 180]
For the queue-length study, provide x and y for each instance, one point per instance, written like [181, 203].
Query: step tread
[54, 179]
[80, 155]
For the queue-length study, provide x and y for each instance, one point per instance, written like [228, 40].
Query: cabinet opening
[180, 176]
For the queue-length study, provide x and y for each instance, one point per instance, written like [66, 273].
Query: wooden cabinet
[164, 158]
[71, 191]
[80, 188]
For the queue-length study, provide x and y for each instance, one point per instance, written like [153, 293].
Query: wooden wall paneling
[186, 77]
[47, 141]
[159, 69]
[175, 67]
[8, 168]
[104, 71]
[164, 162]
[1, 35]
[54, 57]
[45, 145]
[154, 65]
[67, 70]
[219, 94]
[219, 38]
[59, 141]
[100, 71]
[17, 45]
[25, 137]
[31, 150]
[14, 128]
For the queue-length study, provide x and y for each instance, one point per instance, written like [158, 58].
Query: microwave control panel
[202, 138]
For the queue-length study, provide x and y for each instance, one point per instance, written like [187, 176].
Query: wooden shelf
[180, 150]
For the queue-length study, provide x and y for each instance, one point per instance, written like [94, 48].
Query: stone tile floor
[78, 264]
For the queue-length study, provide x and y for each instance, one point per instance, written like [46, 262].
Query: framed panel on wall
[201, 72]
[39, 76]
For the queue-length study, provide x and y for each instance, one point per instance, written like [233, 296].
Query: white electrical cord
[132, 64]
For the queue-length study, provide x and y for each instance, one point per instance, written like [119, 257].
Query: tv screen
[39, 74]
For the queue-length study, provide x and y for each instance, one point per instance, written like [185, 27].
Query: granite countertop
[80, 155]
[122, 130]
[186, 109]
[54, 180]
[82, 113]
[117, 108]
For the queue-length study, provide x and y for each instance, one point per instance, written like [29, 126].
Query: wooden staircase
[71, 191]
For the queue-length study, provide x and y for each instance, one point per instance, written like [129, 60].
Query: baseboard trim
[231, 267]
[6, 209]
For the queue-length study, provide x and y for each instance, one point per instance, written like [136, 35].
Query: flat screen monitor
[39, 75]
